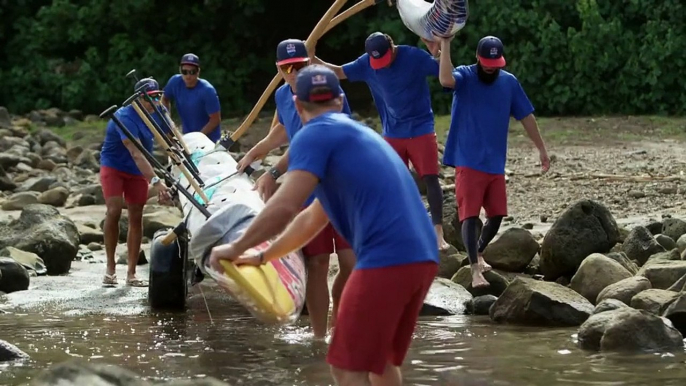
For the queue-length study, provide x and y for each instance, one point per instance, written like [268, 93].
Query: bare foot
[478, 280]
[442, 244]
[485, 267]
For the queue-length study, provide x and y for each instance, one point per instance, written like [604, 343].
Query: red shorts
[422, 151]
[377, 316]
[326, 242]
[115, 184]
[475, 189]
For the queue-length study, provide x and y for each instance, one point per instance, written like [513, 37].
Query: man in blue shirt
[485, 96]
[351, 169]
[124, 175]
[396, 76]
[195, 98]
[291, 58]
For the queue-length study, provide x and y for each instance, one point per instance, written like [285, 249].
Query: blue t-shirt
[113, 153]
[289, 118]
[366, 190]
[194, 104]
[481, 118]
[400, 92]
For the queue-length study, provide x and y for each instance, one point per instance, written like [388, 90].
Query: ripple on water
[456, 350]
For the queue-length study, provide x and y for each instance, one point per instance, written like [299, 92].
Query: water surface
[456, 350]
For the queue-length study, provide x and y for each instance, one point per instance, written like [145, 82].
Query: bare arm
[277, 137]
[338, 70]
[165, 102]
[306, 225]
[282, 165]
[215, 119]
[142, 163]
[531, 126]
[445, 66]
[279, 210]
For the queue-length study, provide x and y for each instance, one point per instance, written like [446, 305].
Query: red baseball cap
[490, 52]
[378, 48]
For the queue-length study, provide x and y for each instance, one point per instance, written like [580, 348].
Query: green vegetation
[584, 57]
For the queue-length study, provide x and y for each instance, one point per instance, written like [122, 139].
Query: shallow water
[457, 350]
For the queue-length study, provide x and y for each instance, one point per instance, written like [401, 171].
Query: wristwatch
[275, 173]
[154, 180]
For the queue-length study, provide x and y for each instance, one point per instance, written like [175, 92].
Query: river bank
[616, 184]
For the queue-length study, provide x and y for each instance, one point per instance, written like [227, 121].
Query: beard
[486, 77]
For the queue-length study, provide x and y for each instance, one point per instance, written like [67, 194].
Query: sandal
[109, 280]
[136, 283]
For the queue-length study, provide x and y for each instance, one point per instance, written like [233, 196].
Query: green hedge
[573, 57]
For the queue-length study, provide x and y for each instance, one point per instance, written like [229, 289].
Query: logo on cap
[376, 54]
[494, 51]
[290, 49]
[318, 79]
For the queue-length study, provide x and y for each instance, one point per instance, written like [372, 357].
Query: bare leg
[111, 232]
[133, 242]
[349, 378]
[346, 263]
[469, 228]
[390, 377]
[317, 293]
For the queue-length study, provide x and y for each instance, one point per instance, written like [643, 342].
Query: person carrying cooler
[396, 76]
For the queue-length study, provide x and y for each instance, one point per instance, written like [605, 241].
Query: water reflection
[232, 346]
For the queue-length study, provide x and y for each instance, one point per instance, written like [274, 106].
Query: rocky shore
[584, 246]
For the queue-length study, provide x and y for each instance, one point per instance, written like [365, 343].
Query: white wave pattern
[442, 17]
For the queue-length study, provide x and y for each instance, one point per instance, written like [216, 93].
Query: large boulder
[656, 301]
[512, 251]
[624, 290]
[676, 313]
[41, 229]
[663, 272]
[595, 273]
[585, 228]
[532, 302]
[628, 329]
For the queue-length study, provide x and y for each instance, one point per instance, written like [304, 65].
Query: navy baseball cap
[378, 47]
[317, 83]
[153, 88]
[490, 52]
[291, 51]
[191, 59]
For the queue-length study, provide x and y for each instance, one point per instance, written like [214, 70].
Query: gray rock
[449, 262]
[20, 200]
[624, 290]
[585, 228]
[608, 305]
[663, 273]
[676, 313]
[498, 283]
[41, 229]
[14, 276]
[624, 260]
[640, 245]
[10, 352]
[665, 241]
[595, 273]
[481, 305]
[627, 329]
[653, 300]
[674, 228]
[512, 251]
[445, 298]
[532, 302]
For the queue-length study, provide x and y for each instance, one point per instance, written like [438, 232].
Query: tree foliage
[572, 57]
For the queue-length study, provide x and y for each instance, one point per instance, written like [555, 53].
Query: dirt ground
[634, 165]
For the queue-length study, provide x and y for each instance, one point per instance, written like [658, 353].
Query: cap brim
[382, 61]
[154, 92]
[292, 60]
[497, 63]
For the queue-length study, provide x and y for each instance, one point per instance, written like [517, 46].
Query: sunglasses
[189, 72]
[288, 68]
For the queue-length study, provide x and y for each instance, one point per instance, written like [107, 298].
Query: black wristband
[275, 173]
[261, 256]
